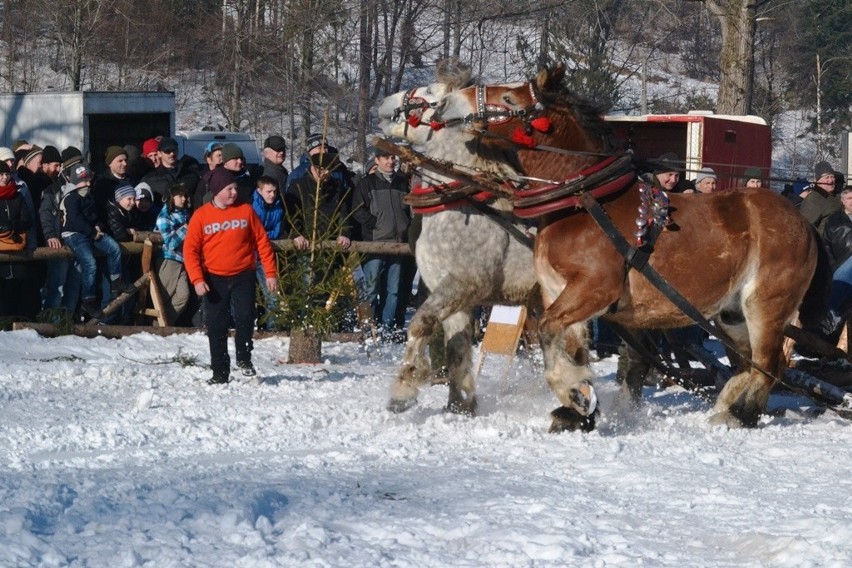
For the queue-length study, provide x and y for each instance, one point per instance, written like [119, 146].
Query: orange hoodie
[223, 242]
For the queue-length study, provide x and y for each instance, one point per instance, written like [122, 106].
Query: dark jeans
[229, 296]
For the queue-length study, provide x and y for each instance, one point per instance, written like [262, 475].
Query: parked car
[193, 143]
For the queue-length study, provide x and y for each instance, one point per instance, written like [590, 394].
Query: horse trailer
[728, 144]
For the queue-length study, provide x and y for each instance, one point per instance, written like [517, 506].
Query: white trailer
[90, 121]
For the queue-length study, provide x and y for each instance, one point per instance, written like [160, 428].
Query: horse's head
[407, 114]
[523, 116]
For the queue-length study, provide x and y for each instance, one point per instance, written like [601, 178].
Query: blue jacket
[172, 225]
[272, 216]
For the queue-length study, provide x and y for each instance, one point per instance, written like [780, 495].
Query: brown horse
[743, 258]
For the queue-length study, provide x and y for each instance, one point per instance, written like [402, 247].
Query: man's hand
[272, 283]
[344, 241]
[201, 288]
[301, 243]
[54, 243]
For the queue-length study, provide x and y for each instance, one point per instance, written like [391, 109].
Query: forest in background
[284, 65]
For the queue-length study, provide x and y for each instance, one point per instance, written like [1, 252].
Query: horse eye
[507, 99]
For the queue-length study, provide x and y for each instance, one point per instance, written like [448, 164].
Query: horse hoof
[584, 399]
[465, 408]
[569, 420]
[725, 419]
[399, 406]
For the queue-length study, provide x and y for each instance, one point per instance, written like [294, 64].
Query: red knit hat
[150, 145]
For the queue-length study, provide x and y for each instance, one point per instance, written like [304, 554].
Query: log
[47, 253]
[119, 331]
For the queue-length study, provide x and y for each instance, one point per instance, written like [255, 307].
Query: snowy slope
[114, 456]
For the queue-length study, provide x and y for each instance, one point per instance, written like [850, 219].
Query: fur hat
[50, 155]
[703, 174]
[80, 173]
[219, 179]
[149, 146]
[230, 152]
[143, 191]
[124, 190]
[821, 169]
[114, 152]
[668, 162]
[6, 154]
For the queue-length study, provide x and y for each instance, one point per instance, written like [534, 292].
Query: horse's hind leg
[415, 367]
[458, 331]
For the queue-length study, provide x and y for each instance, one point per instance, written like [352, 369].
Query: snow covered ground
[114, 454]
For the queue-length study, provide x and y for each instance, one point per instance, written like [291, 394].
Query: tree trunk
[305, 347]
[737, 18]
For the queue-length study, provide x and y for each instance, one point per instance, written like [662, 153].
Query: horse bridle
[410, 103]
[493, 114]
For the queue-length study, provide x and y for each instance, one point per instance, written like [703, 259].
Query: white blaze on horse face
[459, 105]
[407, 114]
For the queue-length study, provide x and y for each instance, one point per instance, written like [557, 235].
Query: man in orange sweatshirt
[219, 256]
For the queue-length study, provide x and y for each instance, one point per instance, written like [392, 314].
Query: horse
[743, 258]
[465, 254]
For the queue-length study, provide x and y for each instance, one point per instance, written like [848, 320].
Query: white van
[194, 143]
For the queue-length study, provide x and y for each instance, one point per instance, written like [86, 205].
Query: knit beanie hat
[6, 154]
[32, 153]
[16, 145]
[822, 169]
[70, 156]
[703, 174]
[219, 179]
[143, 191]
[668, 162]
[50, 155]
[314, 140]
[124, 190]
[113, 152]
[230, 152]
[150, 145]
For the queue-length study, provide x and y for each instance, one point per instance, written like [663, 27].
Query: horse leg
[744, 397]
[568, 376]
[415, 368]
[458, 330]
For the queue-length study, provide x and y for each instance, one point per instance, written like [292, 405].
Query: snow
[112, 453]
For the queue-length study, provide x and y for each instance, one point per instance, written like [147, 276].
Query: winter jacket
[333, 205]
[103, 192]
[271, 215]
[341, 174]
[162, 179]
[77, 213]
[14, 214]
[817, 207]
[48, 211]
[379, 208]
[223, 242]
[838, 238]
[245, 188]
[119, 220]
[277, 172]
[173, 226]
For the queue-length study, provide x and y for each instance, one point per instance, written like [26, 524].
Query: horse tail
[815, 302]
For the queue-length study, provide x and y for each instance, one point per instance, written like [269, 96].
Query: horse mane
[453, 73]
[588, 114]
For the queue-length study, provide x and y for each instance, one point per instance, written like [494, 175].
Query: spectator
[121, 214]
[379, 208]
[838, 244]
[171, 171]
[212, 160]
[62, 282]
[666, 173]
[29, 171]
[752, 177]
[51, 163]
[274, 154]
[317, 144]
[15, 221]
[103, 190]
[172, 223]
[6, 155]
[269, 207]
[219, 254]
[821, 201]
[147, 207]
[705, 181]
[323, 193]
[82, 232]
[234, 161]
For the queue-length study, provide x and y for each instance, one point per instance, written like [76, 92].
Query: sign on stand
[502, 335]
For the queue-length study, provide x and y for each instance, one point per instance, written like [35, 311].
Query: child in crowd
[172, 223]
[121, 213]
[147, 207]
[83, 234]
[270, 209]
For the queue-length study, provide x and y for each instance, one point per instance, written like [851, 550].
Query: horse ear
[548, 79]
[557, 73]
